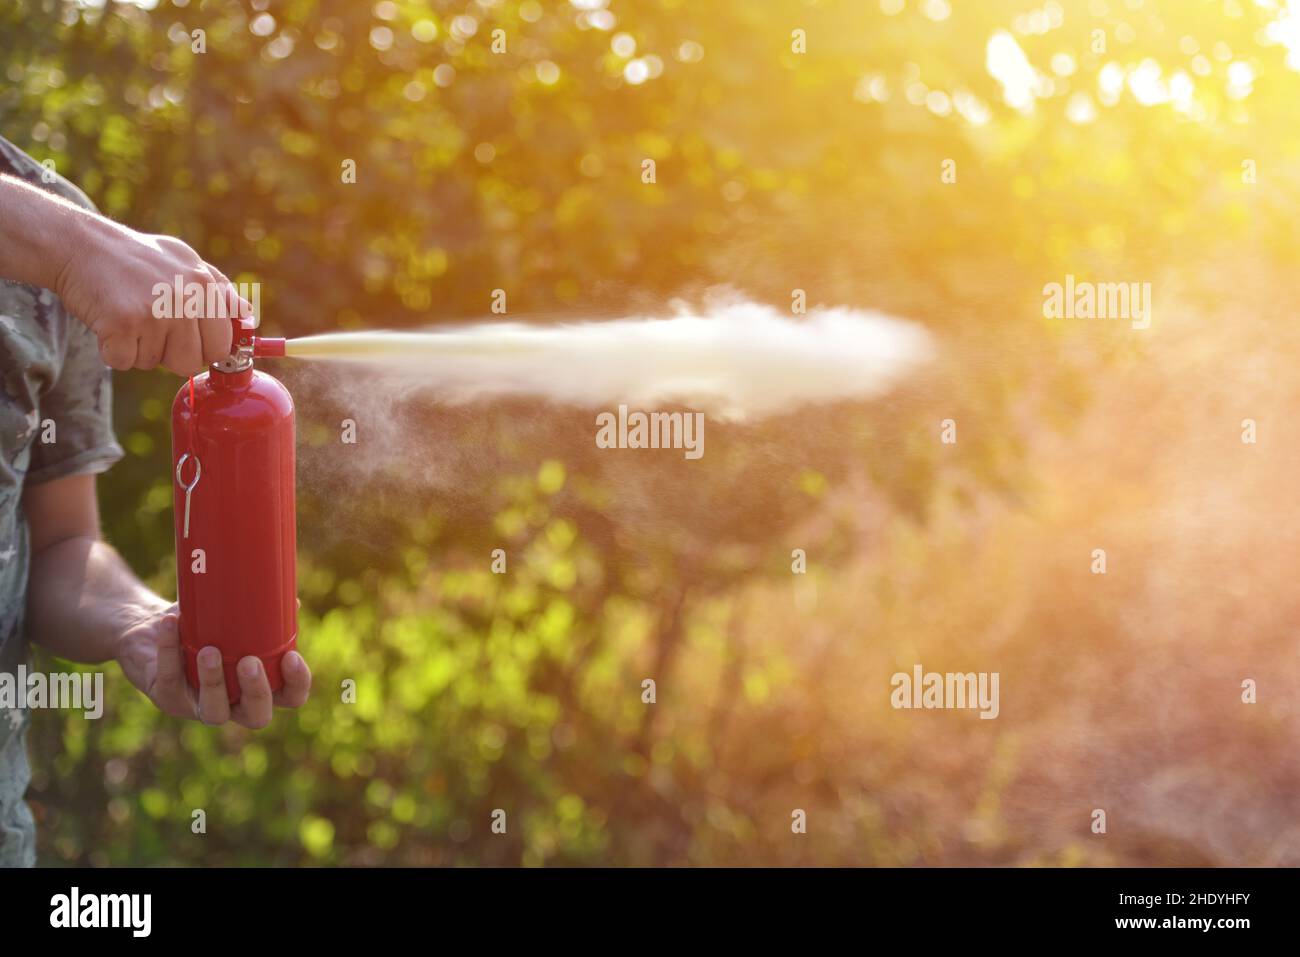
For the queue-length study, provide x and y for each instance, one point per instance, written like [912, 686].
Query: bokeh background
[1125, 140]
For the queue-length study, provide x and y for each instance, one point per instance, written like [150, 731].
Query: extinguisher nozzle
[268, 346]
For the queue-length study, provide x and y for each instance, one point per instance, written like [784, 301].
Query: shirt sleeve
[79, 405]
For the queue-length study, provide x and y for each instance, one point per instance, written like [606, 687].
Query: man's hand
[106, 273]
[109, 284]
[151, 657]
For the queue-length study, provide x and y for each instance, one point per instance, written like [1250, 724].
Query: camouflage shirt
[55, 421]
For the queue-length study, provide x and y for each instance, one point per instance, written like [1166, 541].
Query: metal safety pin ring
[198, 470]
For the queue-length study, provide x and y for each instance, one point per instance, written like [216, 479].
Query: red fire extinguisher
[236, 537]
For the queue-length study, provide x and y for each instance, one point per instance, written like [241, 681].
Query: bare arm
[82, 597]
[37, 233]
[106, 274]
[84, 604]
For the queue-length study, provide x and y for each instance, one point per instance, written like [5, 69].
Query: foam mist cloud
[736, 361]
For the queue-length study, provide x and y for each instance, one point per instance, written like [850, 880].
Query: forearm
[83, 598]
[39, 233]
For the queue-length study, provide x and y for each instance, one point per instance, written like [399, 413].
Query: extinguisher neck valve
[242, 343]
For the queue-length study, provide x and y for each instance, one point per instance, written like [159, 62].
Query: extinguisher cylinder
[236, 536]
